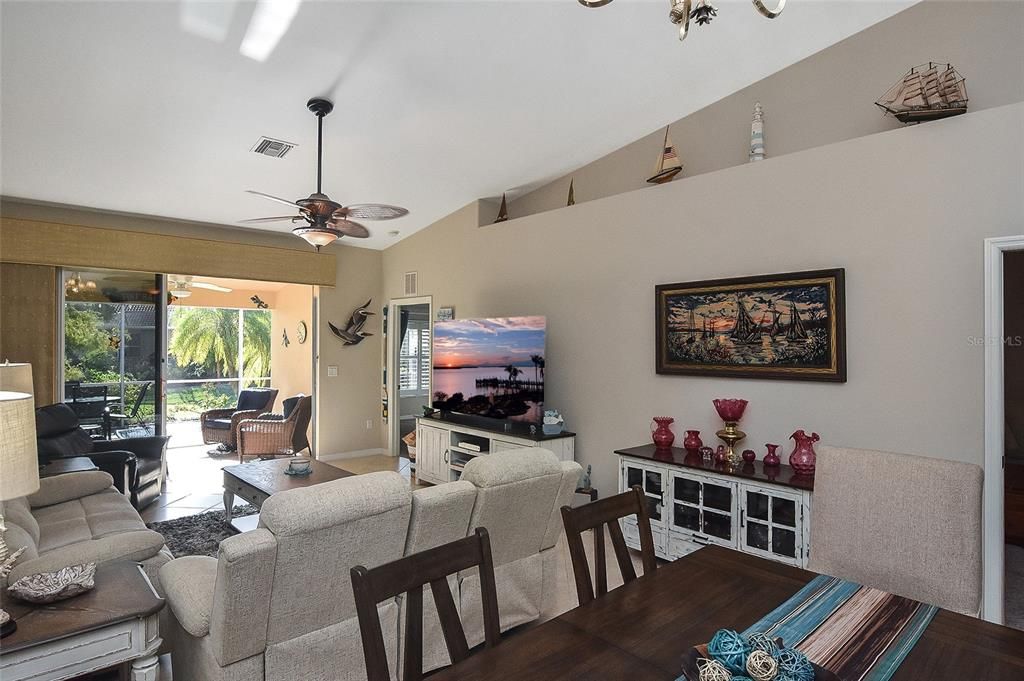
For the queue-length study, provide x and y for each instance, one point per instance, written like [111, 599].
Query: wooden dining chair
[595, 516]
[409, 575]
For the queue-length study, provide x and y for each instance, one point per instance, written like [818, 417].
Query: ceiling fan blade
[210, 287]
[273, 198]
[374, 211]
[349, 228]
[276, 219]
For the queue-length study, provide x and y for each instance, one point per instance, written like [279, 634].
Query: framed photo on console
[788, 326]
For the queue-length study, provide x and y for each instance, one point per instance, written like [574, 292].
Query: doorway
[409, 370]
[1013, 436]
[1004, 257]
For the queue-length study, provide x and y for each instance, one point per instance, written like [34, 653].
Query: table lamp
[19, 463]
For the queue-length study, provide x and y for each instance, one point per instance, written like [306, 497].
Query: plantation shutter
[414, 358]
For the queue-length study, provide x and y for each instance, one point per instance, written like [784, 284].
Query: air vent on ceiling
[411, 283]
[271, 147]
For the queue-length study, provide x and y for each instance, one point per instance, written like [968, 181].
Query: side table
[116, 623]
[71, 464]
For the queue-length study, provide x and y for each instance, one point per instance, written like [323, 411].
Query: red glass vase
[692, 441]
[803, 458]
[771, 459]
[662, 432]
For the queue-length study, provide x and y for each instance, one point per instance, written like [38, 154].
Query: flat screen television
[490, 367]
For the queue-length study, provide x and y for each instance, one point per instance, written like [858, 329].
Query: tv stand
[446, 442]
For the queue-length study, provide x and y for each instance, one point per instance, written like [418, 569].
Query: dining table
[642, 630]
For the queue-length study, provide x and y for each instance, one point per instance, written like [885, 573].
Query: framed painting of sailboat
[782, 326]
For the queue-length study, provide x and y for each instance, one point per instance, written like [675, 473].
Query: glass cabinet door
[651, 481]
[770, 524]
[704, 508]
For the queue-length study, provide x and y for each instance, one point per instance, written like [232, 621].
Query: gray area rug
[199, 534]
[1014, 587]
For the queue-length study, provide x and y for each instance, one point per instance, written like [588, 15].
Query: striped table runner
[856, 632]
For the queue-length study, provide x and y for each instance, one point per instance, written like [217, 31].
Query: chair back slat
[408, 576]
[596, 516]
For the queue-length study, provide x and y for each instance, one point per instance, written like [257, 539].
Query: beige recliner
[277, 601]
[909, 525]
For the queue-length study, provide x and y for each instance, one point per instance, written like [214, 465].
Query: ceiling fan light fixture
[317, 236]
[180, 293]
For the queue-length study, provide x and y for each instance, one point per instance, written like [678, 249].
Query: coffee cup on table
[299, 465]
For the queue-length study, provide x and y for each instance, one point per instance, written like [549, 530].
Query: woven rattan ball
[712, 670]
[730, 649]
[795, 665]
[763, 642]
[761, 666]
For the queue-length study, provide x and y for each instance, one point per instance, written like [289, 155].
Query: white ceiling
[115, 105]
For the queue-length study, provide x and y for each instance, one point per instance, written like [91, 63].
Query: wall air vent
[272, 147]
[412, 284]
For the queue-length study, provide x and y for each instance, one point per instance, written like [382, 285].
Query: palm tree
[537, 362]
[512, 372]
[209, 336]
[256, 343]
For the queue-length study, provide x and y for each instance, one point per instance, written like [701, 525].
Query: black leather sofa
[136, 464]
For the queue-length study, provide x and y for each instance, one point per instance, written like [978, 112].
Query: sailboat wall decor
[789, 326]
[668, 164]
[926, 93]
[571, 199]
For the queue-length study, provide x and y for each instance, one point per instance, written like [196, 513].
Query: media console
[445, 443]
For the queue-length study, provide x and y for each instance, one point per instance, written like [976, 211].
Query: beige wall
[292, 367]
[826, 98]
[904, 212]
[348, 401]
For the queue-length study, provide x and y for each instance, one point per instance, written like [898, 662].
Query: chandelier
[75, 284]
[700, 11]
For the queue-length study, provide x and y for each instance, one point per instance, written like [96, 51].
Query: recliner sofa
[277, 601]
[136, 464]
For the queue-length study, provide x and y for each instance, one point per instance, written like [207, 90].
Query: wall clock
[300, 333]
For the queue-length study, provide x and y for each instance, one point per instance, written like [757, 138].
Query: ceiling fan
[327, 220]
[181, 286]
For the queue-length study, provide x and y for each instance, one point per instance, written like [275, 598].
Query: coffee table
[256, 481]
[116, 623]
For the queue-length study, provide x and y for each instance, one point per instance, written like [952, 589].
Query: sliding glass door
[113, 340]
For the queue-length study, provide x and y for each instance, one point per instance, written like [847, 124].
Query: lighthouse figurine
[757, 135]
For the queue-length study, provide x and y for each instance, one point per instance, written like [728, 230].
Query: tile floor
[195, 482]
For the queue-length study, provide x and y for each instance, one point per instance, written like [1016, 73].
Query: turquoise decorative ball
[730, 649]
[794, 665]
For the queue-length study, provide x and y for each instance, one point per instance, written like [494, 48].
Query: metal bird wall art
[353, 333]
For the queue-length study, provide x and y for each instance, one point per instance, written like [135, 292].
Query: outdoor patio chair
[89, 402]
[119, 416]
[219, 426]
[276, 434]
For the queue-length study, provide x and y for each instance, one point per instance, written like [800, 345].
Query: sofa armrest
[143, 447]
[60, 488]
[137, 545]
[189, 584]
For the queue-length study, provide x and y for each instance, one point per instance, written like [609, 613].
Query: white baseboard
[351, 455]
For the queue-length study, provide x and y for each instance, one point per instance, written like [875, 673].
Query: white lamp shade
[19, 464]
[16, 377]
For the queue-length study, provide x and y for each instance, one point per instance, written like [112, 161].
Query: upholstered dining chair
[596, 516]
[219, 426]
[276, 434]
[409, 576]
[909, 525]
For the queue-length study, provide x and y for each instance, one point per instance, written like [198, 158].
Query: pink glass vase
[662, 432]
[692, 441]
[730, 410]
[771, 459]
[803, 458]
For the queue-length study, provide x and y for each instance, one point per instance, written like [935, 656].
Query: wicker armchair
[270, 434]
[220, 425]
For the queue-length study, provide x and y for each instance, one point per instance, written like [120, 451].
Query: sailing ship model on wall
[926, 93]
[668, 164]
